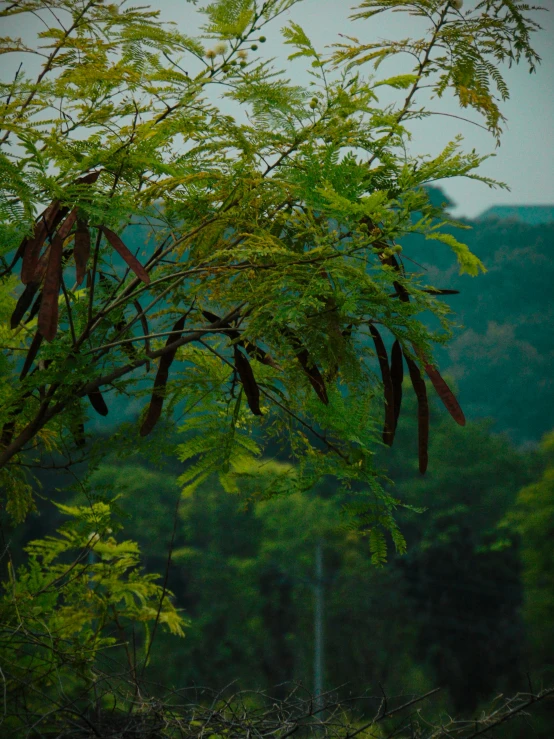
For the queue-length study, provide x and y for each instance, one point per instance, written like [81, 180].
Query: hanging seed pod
[31, 354]
[397, 377]
[42, 264]
[44, 226]
[145, 330]
[390, 424]
[81, 251]
[35, 309]
[24, 302]
[402, 292]
[97, 402]
[254, 351]
[444, 392]
[251, 389]
[422, 413]
[48, 313]
[310, 368]
[126, 255]
[88, 179]
[157, 400]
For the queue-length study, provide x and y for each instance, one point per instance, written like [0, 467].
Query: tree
[533, 519]
[272, 256]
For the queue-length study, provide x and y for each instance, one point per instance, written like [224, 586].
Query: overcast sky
[525, 159]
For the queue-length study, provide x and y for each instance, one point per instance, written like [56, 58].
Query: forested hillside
[468, 608]
[502, 355]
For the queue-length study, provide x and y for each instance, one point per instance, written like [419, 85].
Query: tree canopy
[261, 302]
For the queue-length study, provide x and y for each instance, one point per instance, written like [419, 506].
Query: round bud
[243, 64]
[313, 104]
[254, 47]
[456, 4]
[262, 39]
[397, 249]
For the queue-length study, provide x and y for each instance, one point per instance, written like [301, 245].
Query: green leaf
[469, 263]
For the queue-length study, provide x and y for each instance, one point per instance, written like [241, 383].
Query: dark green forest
[469, 608]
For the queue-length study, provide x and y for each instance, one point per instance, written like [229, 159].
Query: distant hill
[534, 215]
[502, 355]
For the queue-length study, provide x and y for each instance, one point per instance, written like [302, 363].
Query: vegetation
[503, 340]
[241, 282]
[273, 252]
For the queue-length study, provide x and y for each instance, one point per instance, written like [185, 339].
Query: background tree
[447, 613]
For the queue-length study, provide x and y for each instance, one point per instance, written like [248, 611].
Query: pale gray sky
[525, 160]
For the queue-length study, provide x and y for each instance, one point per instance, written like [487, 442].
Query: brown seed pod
[88, 179]
[81, 251]
[251, 389]
[157, 400]
[444, 392]
[31, 354]
[48, 313]
[125, 254]
[422, 414]
[23, 303]
[402, 292]
[97, 402]
[310, 368]
[390, 423]
[397, 377]
[255, 351]
[35, 309]
[44, 226]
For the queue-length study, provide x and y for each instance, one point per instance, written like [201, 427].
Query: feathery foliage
[242, 264]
